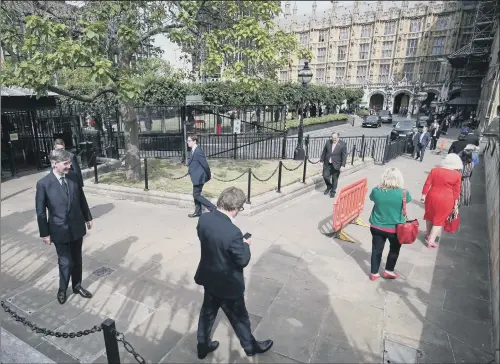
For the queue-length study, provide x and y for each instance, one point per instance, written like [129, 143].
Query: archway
[377, 101]
[401, 101]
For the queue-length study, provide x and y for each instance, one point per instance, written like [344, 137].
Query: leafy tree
[102, 42]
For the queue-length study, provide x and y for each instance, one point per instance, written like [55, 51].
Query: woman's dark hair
[466, 156]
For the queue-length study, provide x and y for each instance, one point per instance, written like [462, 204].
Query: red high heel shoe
[390, 276]
[374, 277]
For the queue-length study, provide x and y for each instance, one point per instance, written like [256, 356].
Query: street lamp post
[305, 76]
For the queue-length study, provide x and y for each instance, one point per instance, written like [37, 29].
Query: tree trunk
[131, 132]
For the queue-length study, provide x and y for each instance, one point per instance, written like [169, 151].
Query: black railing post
[363, 155]
[307, 145]
[280, 167]
[304, 173]
[353, 154]
[146, 179]
[249, 185]
[12, 160]
[384, 157]
[235, 142]
[96, 177]
[112, 352]
[373, 149]
[362, 151]
[283, 147]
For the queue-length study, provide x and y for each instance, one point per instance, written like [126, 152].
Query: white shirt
[333, 148]
[422, 136]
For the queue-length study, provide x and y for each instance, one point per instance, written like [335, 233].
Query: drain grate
[103, 272]
[395, 353]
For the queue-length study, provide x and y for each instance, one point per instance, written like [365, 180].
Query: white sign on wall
[237, 126]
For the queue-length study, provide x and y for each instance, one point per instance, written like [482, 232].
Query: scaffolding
[475, 55]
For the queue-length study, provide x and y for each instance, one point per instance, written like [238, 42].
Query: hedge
[318, 120]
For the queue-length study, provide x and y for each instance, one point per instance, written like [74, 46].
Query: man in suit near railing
[423, 141]
[75, 166]
[333, 157]
[200, 173]
[69, 216]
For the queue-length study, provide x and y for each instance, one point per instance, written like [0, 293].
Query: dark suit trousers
[331, 176]
[200, 200]
[420, 152]
[235, 311]
[70, 263]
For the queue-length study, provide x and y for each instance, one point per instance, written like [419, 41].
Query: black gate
[32, 134]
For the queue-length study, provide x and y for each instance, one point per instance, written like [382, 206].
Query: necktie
[64, 185]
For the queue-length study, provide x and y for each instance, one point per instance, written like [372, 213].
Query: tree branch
[84, 98]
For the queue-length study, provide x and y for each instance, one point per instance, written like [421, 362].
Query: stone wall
[492, 170]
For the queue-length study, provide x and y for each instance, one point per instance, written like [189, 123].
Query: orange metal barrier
[348, 206]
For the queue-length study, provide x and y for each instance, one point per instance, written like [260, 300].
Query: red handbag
[407, 232]
[452, 223]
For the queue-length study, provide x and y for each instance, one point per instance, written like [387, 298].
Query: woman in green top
[386, 214]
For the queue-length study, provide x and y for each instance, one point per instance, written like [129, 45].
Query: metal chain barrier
[121, 338]
[229, 180]
[293, 169]
[310, 161]
[171, 178]
[39, 330]
[266, 179]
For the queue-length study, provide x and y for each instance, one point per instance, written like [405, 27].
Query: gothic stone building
[393, 50]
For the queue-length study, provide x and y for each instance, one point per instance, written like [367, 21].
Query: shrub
[363, 112]
[318, 120]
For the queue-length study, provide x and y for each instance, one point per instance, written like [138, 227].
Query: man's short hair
[232, 198]
[59, 141]
[336, 133]
[60, 155]
[194, 137]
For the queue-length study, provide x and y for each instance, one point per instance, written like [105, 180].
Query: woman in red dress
[441, 194]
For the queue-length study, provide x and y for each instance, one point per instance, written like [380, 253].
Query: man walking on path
[333, 157]
[199, 171]
[423, 141]
[224, 255]
[75, 166]
[62, 195]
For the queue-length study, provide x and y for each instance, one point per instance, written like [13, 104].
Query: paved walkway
[307, 291]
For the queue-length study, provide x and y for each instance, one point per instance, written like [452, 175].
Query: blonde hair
[452, 161]
[391, 178]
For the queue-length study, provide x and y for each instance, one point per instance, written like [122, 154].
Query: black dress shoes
[194, 215]
[260, 347]
[332, 194]
[61, 297]
[327, 191]
[204, 349]
[82, 292]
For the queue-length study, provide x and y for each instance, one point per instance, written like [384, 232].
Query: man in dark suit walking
[62, 195]
[224, 255]
[75, 166]
[423, 141]
[199, 171]
[333, 157]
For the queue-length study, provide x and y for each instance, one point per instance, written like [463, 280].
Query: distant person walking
[60, 193]
[200, 173]
[440, 195]
[75, 166]
[225, 252]
[423, 142]
[333, 157]
[387, 212]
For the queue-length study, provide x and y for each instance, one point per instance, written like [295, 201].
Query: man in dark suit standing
[224, 255]
[333, 157]
[75, 166]
[423, 141]
[199, 171]
[62, 195]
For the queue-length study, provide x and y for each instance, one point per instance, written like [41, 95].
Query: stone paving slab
[306, 290]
